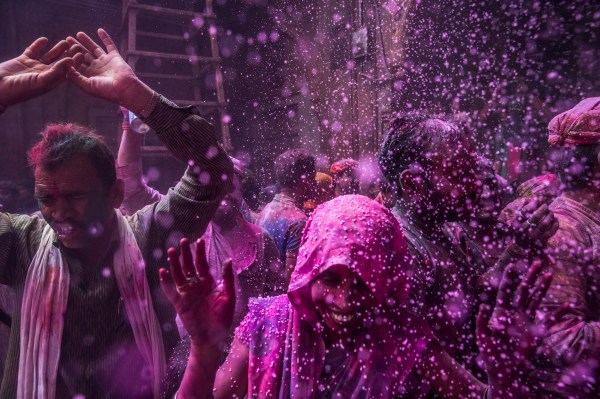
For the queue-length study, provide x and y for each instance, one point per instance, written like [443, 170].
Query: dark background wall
[291, 78]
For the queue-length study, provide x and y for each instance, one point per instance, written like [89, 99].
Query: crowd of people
[445, 283]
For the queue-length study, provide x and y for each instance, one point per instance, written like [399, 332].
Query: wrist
[137, 96]
[208, 351]
[517, 251]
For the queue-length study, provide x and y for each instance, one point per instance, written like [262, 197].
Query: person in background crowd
[435, 165]
[323, 192]
[89, 318]
[284, 217]
[570, 362]
[345, 177]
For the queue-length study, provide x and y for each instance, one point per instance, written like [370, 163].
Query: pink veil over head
[288, 362]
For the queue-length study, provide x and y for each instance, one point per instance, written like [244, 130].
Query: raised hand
[105, 74]
[205, 309]
[509, 337]
[534, 224]
[32, 74]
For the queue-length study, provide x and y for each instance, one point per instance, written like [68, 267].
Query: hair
[292, 165]
[412, 136]
[62, 143]
[574, 164]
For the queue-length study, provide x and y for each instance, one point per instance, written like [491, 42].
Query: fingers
[34, 48]
[539, 292]
[79, 80]
[538, 215]
[525, 288]
[188, 262]
[57, 73]
[529, 206]
[547, 221]
[77, 60]
[201, 260]
[508, 285]
[107, 40]
[168, 286]
[90, 44]
[176, 272]
[59, 50]
[559, 314]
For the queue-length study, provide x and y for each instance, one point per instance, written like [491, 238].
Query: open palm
[509, 337]
[28, 76]
[104, 74]
[205, 309]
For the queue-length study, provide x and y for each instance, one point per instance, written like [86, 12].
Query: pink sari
[283, 334]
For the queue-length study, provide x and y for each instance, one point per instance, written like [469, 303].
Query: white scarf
[45, 303]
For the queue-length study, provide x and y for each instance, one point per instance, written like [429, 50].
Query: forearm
[199, 377]
[192, 140]
[491, 278]
[137, 193]
[130, 148]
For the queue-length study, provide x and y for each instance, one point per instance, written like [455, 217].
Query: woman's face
[342, 299]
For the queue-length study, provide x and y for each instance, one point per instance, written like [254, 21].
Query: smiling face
[341, 299]
[75, 202]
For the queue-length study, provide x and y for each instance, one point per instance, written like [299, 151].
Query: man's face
[452, 182]
[347, 183]
[74, 202]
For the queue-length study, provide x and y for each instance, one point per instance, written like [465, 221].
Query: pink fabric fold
[578, 126]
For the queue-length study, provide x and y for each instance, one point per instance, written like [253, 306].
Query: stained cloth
[286, 348]
[343, 166]
[284, 220]
[255, 259]
[45, 302]
[578, 126]
[571, 347]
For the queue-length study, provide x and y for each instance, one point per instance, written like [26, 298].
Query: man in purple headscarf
[569, 368]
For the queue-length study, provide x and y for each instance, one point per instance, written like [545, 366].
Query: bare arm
[206, 312]
[232, 376]
[129, 168]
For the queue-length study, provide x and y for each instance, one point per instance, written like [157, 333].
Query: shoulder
[266, 316]
[20, 225]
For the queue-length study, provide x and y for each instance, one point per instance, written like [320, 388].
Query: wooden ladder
[189, 70]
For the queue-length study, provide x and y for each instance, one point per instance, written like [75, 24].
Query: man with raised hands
[91, 320]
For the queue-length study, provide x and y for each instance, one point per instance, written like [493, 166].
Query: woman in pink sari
[341, 331]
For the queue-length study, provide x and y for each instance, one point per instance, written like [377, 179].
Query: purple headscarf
[287, 351]
[579, 125]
